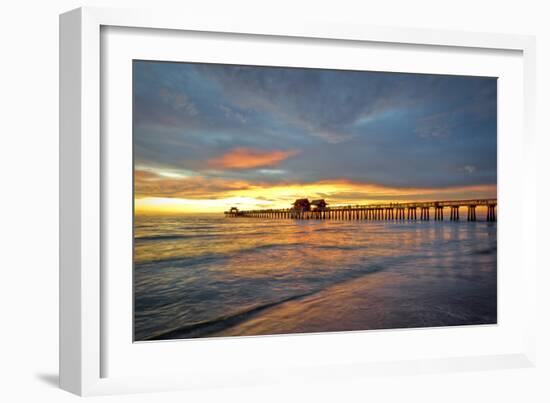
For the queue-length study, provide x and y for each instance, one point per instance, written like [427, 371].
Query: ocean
[205, 275]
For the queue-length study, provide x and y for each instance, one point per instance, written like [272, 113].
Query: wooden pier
[375, 212]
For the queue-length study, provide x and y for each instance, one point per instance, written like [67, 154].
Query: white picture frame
[85, 345]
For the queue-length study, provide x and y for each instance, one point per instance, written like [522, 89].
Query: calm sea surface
[207, 275]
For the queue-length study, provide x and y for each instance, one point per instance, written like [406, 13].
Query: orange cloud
[246, 158]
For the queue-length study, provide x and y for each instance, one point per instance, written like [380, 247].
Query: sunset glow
[222, 196]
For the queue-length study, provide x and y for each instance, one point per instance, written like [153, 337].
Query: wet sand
[377, 301]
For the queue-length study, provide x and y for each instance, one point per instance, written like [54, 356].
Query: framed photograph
[248, 202]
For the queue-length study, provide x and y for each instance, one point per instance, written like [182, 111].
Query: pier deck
[381, 211]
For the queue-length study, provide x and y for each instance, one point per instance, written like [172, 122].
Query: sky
[208, 137]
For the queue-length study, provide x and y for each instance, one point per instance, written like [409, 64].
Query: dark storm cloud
[388, 128]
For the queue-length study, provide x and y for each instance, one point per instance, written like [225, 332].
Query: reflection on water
[206, 275]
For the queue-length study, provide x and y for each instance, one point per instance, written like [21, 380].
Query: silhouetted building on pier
[319, 204]
[302, 205]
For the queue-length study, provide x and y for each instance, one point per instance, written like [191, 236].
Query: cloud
[151, 184]
[470, 169]
[481, 104]
[439, 125]
[233, 114]
[323, 103]
[247, 158]
[178, 101]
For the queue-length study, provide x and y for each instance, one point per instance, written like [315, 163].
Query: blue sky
[209, 132]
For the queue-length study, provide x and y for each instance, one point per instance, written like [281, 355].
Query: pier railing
[379, 211]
